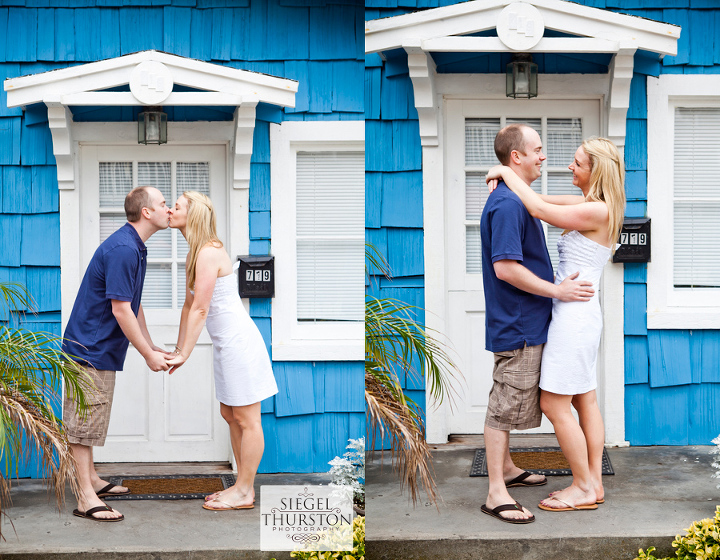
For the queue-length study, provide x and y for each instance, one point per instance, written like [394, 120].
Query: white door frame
[492, 86]
[75, 249]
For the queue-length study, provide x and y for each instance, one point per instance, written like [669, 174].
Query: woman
[592, 223]
[243, 373]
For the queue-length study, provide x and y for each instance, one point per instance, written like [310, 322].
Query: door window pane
[166, 248]
[479, 141]
[560, 141]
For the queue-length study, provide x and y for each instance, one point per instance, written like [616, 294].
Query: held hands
[574, 290]
[156, 360]
[174, 360]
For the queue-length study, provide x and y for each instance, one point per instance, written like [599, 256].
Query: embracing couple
[108, 315]
[544, 331]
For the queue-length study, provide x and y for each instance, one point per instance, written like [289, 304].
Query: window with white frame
[318, 240]
[684, 201]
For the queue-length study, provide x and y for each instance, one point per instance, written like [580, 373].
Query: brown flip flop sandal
[89, 514]
[507, 507]
[104, 492]
[519, 481]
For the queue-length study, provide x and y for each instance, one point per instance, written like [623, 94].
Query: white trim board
[492, 86]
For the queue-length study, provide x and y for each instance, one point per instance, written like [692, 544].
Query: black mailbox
[634, 241]
[256, 276]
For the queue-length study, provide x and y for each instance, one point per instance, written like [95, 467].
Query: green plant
[357, 553]
[398, 344]
[702, 542]
[31, 365]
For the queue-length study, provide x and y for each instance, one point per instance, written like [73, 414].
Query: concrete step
[34, 529]
[655, 494]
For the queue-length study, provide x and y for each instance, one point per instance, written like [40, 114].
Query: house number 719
[257, 276]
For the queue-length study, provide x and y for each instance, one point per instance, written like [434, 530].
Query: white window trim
[293, 340]
[668, 307]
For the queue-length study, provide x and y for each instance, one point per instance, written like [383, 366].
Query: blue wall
[672, 377]
[319, 43]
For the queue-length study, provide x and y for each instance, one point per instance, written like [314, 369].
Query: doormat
[171, 487]
[549, 461]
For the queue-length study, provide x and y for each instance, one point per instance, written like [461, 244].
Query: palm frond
[397, 344]
[398, 341]
[32, 369]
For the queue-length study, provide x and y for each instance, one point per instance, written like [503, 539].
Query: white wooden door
[157, 417]
[471, 129]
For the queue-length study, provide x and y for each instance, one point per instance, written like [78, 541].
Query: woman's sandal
[600, 501]
[567, 507]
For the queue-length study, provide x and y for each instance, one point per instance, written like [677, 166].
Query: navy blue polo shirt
[116, 271]
[513, 317]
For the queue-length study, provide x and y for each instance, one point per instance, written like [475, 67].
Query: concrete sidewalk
[655, 494]
[152, 530]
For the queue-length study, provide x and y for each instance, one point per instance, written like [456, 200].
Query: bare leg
[248, 443]
[235, 440]
[574, 446]
[97, 482]
[88, 498]
[592, 426]
[497, 450]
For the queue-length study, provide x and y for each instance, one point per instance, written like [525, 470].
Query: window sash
[330, 191]
[696, 198]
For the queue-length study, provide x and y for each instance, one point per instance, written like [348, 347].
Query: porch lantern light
[152, 126]
[521, 77]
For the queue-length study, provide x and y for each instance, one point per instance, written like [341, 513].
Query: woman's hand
[493, 177]
[175, 360]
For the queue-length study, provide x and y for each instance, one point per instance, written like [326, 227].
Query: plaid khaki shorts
[514, 402]
[91, 431]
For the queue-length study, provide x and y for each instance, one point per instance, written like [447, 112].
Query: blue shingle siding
[317, 42]
[664, 370]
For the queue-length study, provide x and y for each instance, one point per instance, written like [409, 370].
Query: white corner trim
[422, 73]
[60, 123]
[611, 362]
[479, 15]
[293, 340]
[667, 307]
[621, 74]
[114, 72]
[243, 143]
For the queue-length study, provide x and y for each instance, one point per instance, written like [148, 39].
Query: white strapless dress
[570, 356]
[243, 372]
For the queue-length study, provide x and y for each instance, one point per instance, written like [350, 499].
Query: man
[107, 315]
[518, 282]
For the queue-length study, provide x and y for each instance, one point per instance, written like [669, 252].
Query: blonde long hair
[201, 229]
[607, 181]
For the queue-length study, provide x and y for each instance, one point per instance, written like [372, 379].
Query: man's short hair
[135, 201]
[510, 138]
